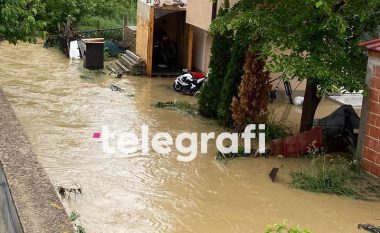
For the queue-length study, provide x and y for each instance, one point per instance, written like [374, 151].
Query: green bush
[210, 94]
[220, 51]
[284, 228]
[88, 13]
[232, 79]
[276, 129]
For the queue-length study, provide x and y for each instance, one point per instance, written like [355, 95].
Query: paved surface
[355, 100]
[37, 203]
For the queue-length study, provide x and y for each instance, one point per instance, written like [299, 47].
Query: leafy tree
[322, 37]
[26, 20]
[56, 11]
[18, 20]
[88, 13]
[309, 39]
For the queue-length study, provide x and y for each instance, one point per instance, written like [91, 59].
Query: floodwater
[60, 111]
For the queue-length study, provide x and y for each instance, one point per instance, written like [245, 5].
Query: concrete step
[126, 63]
[123, 67]
[133, 56]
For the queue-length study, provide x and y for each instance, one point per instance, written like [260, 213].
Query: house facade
[199, 15]
[184, 22]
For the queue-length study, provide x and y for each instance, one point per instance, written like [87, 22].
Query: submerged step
[127, 63]
[133, 56]
[123, 67]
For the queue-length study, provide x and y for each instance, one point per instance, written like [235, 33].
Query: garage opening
[163, 39]
[168, 42]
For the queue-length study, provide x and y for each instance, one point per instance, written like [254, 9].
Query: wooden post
[125, 20]
[149, 65]
[190, 48]
[98, 29]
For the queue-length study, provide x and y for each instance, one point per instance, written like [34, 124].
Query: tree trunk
[310, 105]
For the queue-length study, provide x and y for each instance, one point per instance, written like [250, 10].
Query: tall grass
[325, 175]
[275, 129]
[92, 23]
[115, 17]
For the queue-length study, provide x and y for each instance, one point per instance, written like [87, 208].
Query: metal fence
[107, 34]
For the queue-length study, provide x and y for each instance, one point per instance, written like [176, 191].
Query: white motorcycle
[189, 82]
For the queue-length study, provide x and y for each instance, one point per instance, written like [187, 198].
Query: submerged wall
[35, 199]
[9, 221]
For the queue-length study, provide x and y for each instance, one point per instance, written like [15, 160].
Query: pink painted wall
[199, 13]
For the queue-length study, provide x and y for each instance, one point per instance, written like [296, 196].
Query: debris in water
[116, 75]
[369, 227]
[116, 88]
[63, 192]
[241, 154]
[85, 77]
[179, 106]
[164, 104]
[114, 72]
[273, 173]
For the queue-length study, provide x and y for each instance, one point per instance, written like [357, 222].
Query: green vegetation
[232, 78]
[74, 216]
[18, 20]
[284, 228]
[89, 14]
[27, 20]
[276, 129]
[112, 18]
[210, 96]
[326, 175]
[179, 106]
[315, 40]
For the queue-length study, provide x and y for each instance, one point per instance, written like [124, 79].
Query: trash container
[93, 56]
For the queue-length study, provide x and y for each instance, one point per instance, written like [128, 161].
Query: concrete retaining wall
[38, 206]
[9, 221]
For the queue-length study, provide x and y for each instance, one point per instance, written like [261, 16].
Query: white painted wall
[199, 45]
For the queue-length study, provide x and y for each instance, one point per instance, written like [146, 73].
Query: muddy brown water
[59, 111]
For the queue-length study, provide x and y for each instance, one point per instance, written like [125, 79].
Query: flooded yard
[61, 105]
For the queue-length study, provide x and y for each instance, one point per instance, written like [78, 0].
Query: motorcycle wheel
[177, 87]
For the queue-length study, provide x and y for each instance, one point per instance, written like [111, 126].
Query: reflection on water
[60, 109]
